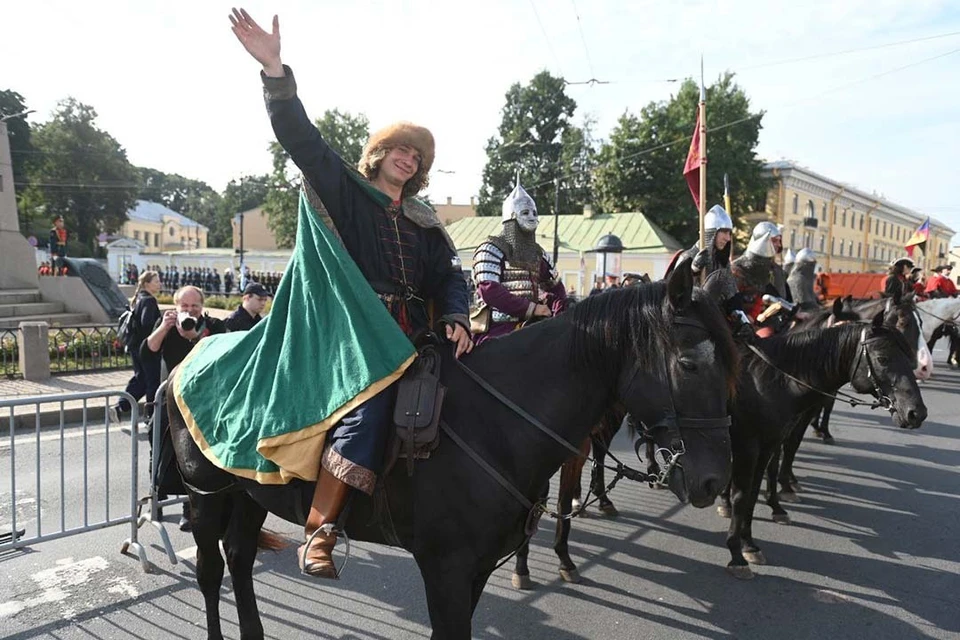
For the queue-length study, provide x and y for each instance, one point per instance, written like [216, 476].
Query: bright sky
[172, 84]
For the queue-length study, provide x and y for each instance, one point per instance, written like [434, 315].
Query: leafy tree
[345, 133]
[82, 173]
[22, 150]
[640, 168]
[537, 138]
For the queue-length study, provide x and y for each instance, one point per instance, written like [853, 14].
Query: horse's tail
[272, 541]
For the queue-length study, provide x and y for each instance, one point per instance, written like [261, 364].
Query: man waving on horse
[398, 245]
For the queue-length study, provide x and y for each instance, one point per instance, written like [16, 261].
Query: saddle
[416, 414]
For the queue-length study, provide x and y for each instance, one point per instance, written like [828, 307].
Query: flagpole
[703, 157]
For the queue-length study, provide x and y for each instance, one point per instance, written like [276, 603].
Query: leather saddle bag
[416, 415]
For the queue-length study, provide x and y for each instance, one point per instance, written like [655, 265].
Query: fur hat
[395, 135]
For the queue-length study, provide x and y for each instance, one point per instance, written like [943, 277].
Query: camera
[186, 321]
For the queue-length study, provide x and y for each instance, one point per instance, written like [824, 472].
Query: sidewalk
[24, 415]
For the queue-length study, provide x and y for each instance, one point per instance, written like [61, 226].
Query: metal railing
[91, 347]
[67, 498]
[9, 354]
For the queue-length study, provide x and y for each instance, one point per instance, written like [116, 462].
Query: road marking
[55, 583]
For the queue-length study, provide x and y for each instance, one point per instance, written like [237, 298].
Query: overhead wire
[583, 40]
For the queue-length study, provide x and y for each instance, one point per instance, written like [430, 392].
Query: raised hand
[263, 46]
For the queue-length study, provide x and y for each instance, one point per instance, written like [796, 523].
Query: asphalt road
[872, 553]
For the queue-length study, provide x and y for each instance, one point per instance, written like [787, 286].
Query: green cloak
[259, 403]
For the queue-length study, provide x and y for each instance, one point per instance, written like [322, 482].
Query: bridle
[863, 358]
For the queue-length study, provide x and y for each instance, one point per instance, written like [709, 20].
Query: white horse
[935, 312]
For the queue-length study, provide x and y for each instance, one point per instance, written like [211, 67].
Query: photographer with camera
[174, 335]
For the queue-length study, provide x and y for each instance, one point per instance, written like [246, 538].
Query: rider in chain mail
[515, 280]
[802, 280]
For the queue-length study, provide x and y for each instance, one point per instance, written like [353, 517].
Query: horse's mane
[819, 350]
[636, 323]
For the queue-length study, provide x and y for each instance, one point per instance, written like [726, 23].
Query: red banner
[691, 170]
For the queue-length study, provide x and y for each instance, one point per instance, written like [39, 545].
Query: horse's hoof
[524, 583]
[755, 557]
[570, 575]
[828, 439]
[723, 511]
[740, 573]
[795, 486]
[609, 510]
[781, 518]
[575, 506]
[789, 496]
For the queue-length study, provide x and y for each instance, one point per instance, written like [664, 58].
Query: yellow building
[256, 231]
[161, 229]
[450, 213]
[850, 230]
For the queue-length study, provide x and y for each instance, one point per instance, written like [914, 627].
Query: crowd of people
[206, 279]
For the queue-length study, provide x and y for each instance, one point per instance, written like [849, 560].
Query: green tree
[82, 173]
[193, 198]
[22, 150]
[345, 133]
[640, 168]
[536, 137]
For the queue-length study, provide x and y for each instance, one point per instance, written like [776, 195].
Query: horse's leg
[209, 515]
[773, 497]
[601, 442]
[789, 486]
[451, 591]
[240, 545]
[825, 421]
[479, 583]
[725, 508]
[521, 572]
[751, 551]
[569, 477]
[576, 488]
[745, 461]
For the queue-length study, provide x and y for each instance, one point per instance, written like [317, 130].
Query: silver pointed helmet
[761, 240]
[806, 255]
[518, 201]
[789, 257]
[716, 219]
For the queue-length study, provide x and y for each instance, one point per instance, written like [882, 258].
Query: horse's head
[884, 368]
[903, 316]
[677, 380]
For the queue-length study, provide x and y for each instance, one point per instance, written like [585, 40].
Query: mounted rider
[514, 277]
[802, 280]
[940, 285]
[399, 247]
[789, 260]
[757, 272]
[897, 283]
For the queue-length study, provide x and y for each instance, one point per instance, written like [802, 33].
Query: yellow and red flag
[919, 237]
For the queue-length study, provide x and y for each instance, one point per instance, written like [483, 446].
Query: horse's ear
[837, 307]
[680, 286]
[878, 319]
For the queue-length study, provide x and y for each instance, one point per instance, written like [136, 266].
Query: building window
[844, 223]
[850, 249]
[136, 235]
[884, 228]
[853, 220]
[859, 249]
[842, 243]
[796, 203]
[1, 183]
[833, 246]
[156, 239]
[861, 221]
[172, 232]
[793, 238]
[823, 242]
[823, 212]
[811, 213]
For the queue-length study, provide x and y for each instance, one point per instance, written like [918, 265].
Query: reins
[882, 400]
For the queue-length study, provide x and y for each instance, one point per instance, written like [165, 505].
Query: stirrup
[327, 529]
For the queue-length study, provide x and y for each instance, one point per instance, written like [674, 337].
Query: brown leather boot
[316, 556]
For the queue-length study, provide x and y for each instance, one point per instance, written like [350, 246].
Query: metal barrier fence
[91, 478]
[92, 347]
[9, 354]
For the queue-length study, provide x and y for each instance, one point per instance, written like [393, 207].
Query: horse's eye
[884, 360]
[688, 365]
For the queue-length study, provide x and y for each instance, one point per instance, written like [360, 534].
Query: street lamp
[607, 244]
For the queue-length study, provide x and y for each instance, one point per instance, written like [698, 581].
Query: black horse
[899, 314]
[653, 348]
[874, 359]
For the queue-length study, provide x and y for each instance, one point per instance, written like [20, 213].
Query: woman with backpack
[143, 316]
